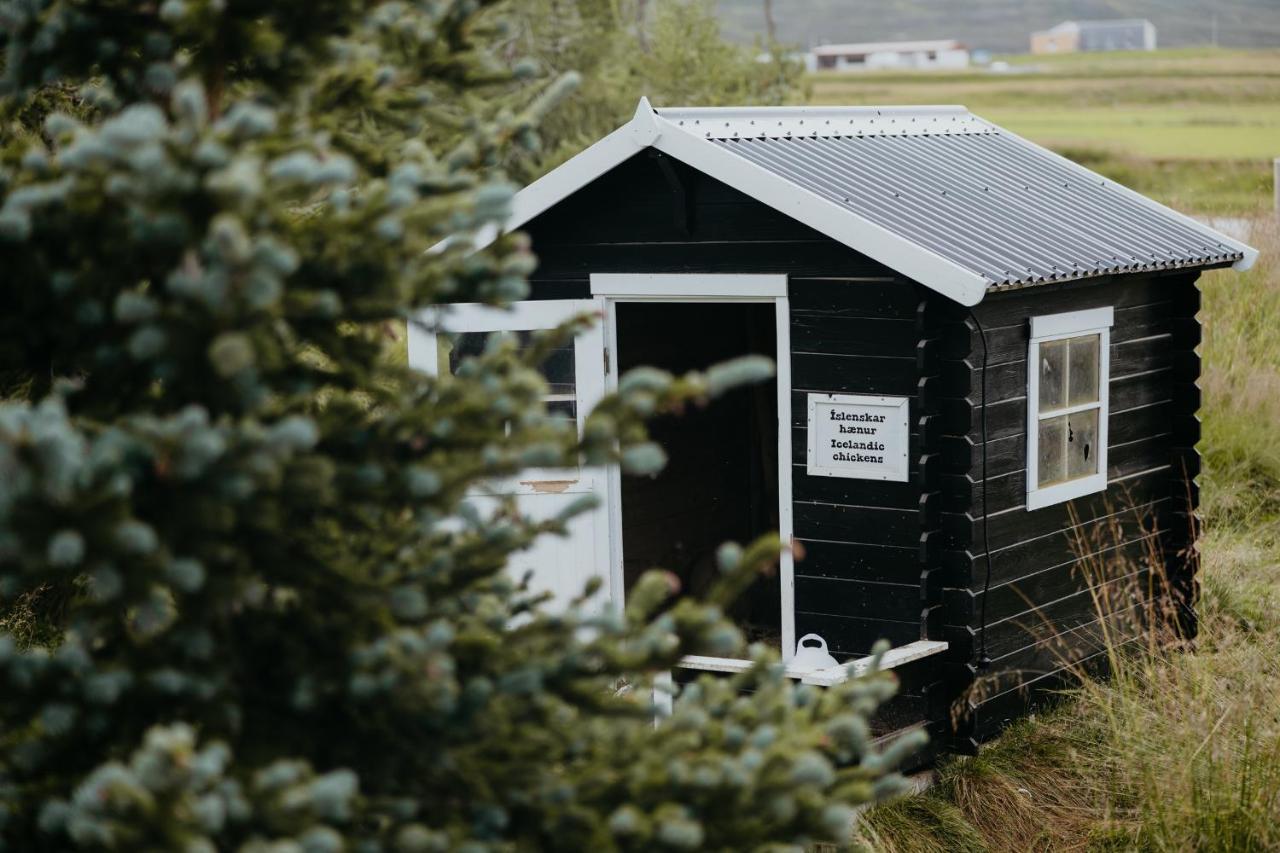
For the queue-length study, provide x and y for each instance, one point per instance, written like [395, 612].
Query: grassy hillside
[1196, 128]
[1000, 25]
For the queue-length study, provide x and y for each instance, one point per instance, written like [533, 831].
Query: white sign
[865, 438]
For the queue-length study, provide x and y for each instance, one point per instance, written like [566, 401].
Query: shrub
[256, 610]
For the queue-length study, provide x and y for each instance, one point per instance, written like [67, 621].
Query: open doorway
[721, 479]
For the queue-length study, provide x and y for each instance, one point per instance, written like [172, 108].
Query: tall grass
[1179, 749]
[1241, 317]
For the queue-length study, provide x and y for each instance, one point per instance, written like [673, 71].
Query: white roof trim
[650, 129]
[687, 134]
[583, 168]
[796, 122]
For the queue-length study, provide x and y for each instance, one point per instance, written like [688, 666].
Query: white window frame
[533, 315]
[1056, 327]
[537, 485]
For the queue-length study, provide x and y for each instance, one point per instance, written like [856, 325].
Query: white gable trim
[649, 129]
[574, 174]
[839, 223]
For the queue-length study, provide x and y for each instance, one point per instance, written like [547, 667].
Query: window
[442, 340]
[558, 369]
[1067, 377]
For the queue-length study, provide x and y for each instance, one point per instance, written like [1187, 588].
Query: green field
[1194, 128]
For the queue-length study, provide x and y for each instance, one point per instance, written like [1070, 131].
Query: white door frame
[610, 289]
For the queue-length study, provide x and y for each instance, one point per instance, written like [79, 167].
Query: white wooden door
[575, 377]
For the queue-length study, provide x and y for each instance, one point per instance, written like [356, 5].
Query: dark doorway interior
[721, 480]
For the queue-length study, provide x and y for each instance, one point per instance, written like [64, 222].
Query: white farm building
[1095, 36]
[889, 55]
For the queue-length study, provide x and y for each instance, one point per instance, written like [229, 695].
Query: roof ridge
[800, 122]
[856, 46]
[865, 109]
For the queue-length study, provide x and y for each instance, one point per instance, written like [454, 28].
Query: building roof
[935, 193]
[885, 47]
[1117, 23]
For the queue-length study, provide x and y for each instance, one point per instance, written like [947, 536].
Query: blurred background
[1179, 99]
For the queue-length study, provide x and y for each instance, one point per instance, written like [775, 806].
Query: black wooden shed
[982, 432]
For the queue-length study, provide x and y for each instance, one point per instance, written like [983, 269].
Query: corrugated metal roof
[965, 189]
[938, 194]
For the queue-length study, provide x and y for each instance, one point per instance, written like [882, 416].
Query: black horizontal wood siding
[861, 575]
[856, 327]
[902, 561]
[1064, 578]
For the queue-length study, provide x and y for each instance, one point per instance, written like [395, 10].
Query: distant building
[889, 55]
[1094, 36]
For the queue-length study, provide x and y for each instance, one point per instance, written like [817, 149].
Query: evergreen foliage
[265, 616]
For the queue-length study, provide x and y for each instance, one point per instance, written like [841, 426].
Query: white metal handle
[822, 644]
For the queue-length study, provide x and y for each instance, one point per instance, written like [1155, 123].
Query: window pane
[563, 409]
[1053, 375]
[465, 345]
[558, 369]
[1083, 378]
[1082, 444]
[1051, 460]
[444, 353]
